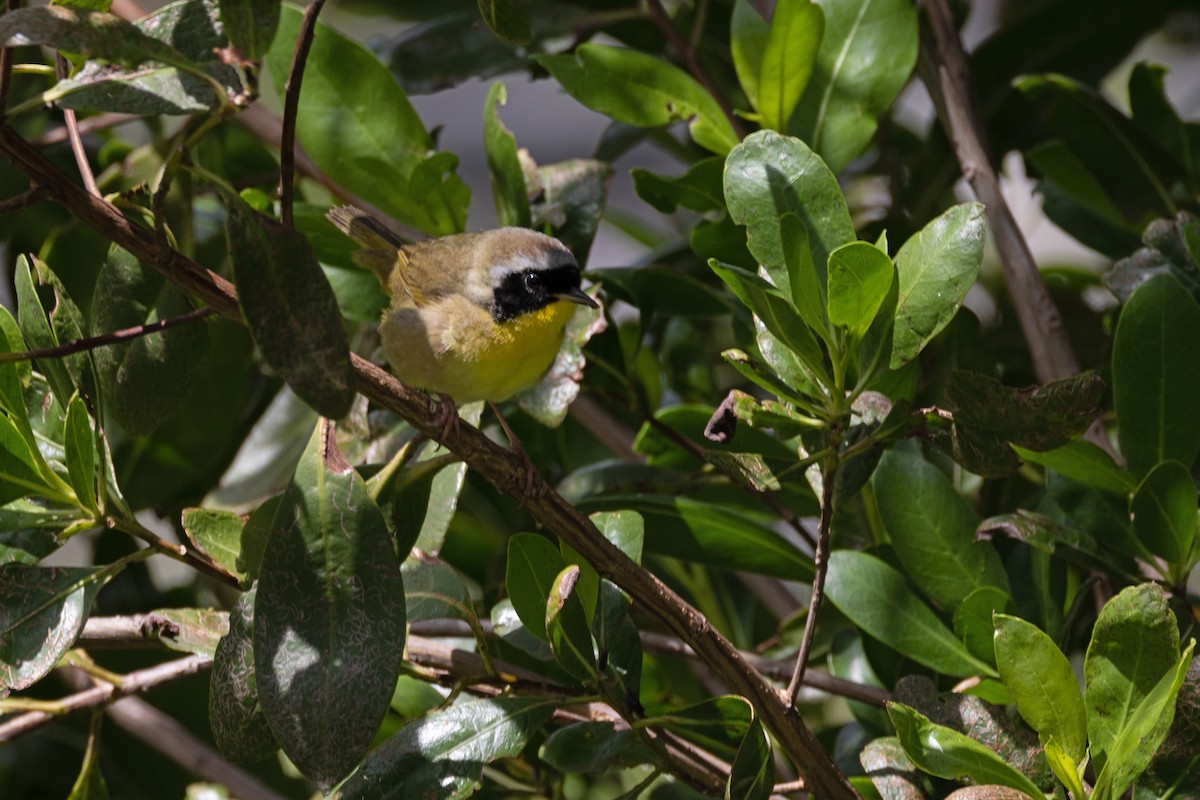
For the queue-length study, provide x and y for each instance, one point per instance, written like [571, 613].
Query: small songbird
[474, 316]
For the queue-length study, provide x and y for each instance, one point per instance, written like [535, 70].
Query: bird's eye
[532, 281]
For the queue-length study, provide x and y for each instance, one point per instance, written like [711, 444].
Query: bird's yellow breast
[458, 349]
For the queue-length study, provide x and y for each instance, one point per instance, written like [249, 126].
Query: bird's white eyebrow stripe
[518, 263]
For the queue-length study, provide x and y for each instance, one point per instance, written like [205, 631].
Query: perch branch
[291, 109]
[113, 337]
[499, 466]
[948, 77]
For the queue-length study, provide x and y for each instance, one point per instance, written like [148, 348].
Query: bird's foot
[447, 417]
[534, 486]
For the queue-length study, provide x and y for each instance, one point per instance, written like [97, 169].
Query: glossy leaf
[698, 189]
[533, 565]
[748, 33]
[434, 590]
[949, 754]
[933, 530]
[639, 89]
[787, 62]
[250, 25]
[802, 276]
[1135, 643]
[328, 618]
[712, 534]
[776, 313]
[973, 620]
[80, 444]
[567, 627]
[1063, 767]
[146, 380]
[769, 176]
[718, 724]
[1042, 684]
[1085, 463]
[59, 323]
[1153, 377]
[1150, 108]
[1145, 730]
[379, 148]
[1164, 512]
[238, 723]
[20, 470]
[291, 310]
[877, 599]
[752, 774]
[42, 612]
[592, 747]
[217, 534]
[892, 773]
[500, 148]
[95, 33]
[936, 268]
[860, 276]
[443, 755]
[866, 54]
[508, 19]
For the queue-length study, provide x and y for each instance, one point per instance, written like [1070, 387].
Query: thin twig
[948, 77]
[291, 109]
[25, 198]
[81, 158]
[134, 683]
[6, 61]
[820, 567]
[663, 20]
[114, 337]
[493, 463]
[179, 552]
[97, 122]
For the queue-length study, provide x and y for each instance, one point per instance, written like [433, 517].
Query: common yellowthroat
[474, 316]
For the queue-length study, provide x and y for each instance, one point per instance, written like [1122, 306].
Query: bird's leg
[533, 486]
[447, 416]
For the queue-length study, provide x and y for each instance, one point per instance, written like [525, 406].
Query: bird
[473, 316]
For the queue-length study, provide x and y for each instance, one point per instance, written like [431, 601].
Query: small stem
[104, 339]
[25, 198]
[821, 564]
[6, 60]
[291, 109]
[81, 159]
[179, 552]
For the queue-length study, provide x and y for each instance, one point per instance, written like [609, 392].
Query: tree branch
[72, 124]
[291, 109]
[501, 467]
[820, 567]
[113, 337]
[947, 75]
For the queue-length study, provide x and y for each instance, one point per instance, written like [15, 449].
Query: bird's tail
[382, 250]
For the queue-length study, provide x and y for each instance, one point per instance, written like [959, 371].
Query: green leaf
[936, 268]
[443, 754]
[698, 189]
[748, 33]
[62, 323]
[877, 599]
[1144, 731]
[787, 62]
[255, 535]
[90, 784]
[973, 620]
[949, 754]
[1154, 377]
[933, 530]
[291, 310]
[639, 89]
[500, 148]
[567, 627]
[80, 444]
[508, 19]
[1085, 463]
[769, 176]
[593, 747]
[533, 565]
[1164, 512]
[1151, 109]
[802, 276]
[1063, 767]
[329, 617]
[42, 612]
[192, 630]
[1135, 643]
[238, 723]
[709, 533]
[752, 774]
[572, 195]
[777, 315]
[378, 147]
[866, 54]
[217, 534]
[434, 590]
[14, 377]
[1070, 539]
[860, 277]
[1043, 685]
[892, 774]
[93, 33]
[718, 724]
[20, 471]
[146, 380]
[28, 532]
[250, 25]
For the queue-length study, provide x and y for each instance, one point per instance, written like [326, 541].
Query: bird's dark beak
[577, 295]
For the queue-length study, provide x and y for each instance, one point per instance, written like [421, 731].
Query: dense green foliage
[787, 400]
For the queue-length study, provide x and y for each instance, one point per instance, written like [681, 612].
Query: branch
[25, 198]
[948, 78]
[291, 108]
[163, 733]
[688, 54]
[820, 567]
[72, 124]
[114, 337]
[133, 683]
[499, 466]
